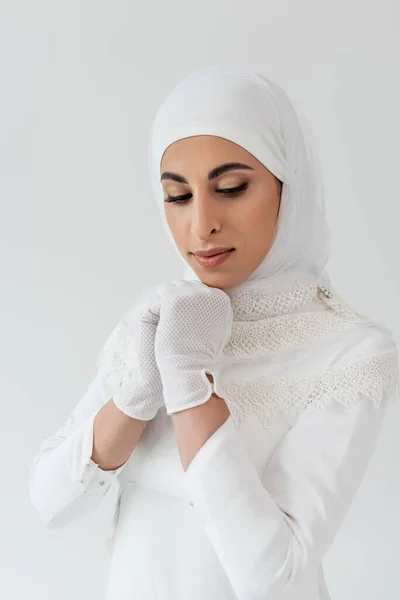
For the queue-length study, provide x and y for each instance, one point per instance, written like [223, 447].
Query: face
[216, 194]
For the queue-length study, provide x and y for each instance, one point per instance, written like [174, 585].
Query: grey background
[80, 233]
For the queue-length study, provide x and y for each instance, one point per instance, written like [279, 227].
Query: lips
[212, 251]
[214, 259]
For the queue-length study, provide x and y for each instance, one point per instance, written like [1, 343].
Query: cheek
[258, 227]
[260, 218]
[176, 224]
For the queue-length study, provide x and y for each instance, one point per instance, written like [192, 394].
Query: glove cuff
[183, 390]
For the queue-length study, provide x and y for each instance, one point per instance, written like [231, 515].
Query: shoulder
[364, 341]
[363, 362]
[360, 335]
[350, 342]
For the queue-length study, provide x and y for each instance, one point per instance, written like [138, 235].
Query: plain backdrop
[80, 233]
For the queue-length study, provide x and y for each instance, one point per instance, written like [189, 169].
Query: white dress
[260, 503]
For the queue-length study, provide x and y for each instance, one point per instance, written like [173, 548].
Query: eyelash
[231, 192]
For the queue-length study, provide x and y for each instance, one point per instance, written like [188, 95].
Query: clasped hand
[164, 346]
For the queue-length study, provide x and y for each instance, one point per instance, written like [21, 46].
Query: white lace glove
[195, 324]
[127, 359]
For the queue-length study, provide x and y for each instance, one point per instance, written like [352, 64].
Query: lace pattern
[267, 321]
[253, 301]
[288, 331]
[373, 376]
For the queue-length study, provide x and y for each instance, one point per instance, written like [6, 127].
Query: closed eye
[235, 191]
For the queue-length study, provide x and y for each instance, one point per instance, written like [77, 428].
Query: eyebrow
[216, 172]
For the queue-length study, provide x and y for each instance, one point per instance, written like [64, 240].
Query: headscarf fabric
[254, 112]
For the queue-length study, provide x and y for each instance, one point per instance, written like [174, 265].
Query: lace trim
[255, 301]
[287, 331]
[266, 397]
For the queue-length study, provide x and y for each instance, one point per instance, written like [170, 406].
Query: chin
[220, 280]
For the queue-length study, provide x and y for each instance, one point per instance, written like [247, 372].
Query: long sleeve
[64, 482]
[269, 531]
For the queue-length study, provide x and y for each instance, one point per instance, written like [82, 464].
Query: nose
[205, 216]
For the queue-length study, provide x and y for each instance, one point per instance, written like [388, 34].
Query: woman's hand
[127, 359]
[195, 324]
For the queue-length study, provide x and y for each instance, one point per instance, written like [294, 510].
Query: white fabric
[153, 522]
[195, 324]
[254, 112]
[127, 359]
[307, 380]
[270, 493]
[266, 507]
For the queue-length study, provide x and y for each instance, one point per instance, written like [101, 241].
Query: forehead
[203, 151]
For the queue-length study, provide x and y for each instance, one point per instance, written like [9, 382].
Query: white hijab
[254, 112]
[287, 303]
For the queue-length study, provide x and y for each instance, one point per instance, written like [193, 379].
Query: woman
[254, 393]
